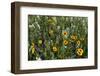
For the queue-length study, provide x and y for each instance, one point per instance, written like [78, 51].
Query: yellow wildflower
[33, 50]
[74, 37]
[55, 49]
[78, 42]
[79, 51]
[65, 42]
[65, 33]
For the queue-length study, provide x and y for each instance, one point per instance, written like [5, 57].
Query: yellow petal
[79, 52]
[33, 50]
[65, 42]
[55, 49]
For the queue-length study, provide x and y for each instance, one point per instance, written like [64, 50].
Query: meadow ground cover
[57, 37]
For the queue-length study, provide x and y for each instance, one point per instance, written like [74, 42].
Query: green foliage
[57, 37]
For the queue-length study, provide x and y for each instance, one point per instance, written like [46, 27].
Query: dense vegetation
[57, 37]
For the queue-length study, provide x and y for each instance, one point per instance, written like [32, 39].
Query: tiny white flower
[58, 27]
[38, 25]
[39, 59]
[31, 26]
